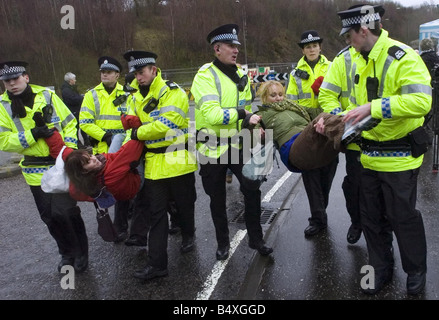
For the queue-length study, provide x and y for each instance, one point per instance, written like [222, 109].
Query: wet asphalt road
[324, 267]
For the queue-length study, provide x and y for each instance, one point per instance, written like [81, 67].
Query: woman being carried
[92, 177]
[307, 138]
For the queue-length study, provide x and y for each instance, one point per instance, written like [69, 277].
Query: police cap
[309, 36]
[227, 33]
[109, 63]
[138, 59]
[363, 14]
[12, 69]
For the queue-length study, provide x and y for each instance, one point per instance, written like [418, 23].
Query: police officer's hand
[107, 138]
[358, 113]
[42, 132]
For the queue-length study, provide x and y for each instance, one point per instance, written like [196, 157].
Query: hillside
[176, 30]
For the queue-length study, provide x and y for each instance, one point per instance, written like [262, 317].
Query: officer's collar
[379, 45]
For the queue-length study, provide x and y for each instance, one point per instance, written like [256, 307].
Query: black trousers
[63, 219]
[214, 182]
[351, 186]
[121, 210]
[390, 205]
[156, 195]
[318, 184]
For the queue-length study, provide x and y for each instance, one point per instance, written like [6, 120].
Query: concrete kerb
[11, 168]
[258, 263]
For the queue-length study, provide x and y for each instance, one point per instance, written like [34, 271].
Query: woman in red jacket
[90, 175]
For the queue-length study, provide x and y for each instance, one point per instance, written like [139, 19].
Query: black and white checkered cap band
[313, 39]
[224, 37]
[109, 66]
[140, 62]
[352, 21]
[12, 70]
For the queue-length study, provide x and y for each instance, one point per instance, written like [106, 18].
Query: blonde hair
[263, 90]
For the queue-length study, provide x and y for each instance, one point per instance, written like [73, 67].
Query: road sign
[271, 76]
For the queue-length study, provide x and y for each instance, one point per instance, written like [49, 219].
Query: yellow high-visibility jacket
[99, 115]
[404, 99]
[299, 89]
[335, 90]
[218, 100]
[16, 136]
[165, 126]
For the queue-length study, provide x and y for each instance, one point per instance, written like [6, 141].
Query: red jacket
[120, 179]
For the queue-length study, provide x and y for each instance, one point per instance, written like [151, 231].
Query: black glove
[93, 141]
[134, 134]
[42, 132]
[133, 166]
[47, 113]
[107, 138]
[38, 118]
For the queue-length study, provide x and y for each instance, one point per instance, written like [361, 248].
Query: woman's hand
[320, 126]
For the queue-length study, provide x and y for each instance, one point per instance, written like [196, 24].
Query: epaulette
[343, 50]
[396, 52]
[171, 85]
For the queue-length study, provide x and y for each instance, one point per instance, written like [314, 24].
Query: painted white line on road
[211, 282]
[276, 187]
[218, 268]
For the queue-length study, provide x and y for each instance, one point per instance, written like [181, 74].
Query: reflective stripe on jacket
[336, 87]
[218, 100]
[99, 114]
[299, 89]
[16, 136]
[404, 99]
[166, 126]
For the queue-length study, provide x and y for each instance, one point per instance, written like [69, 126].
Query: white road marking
[218, 268]
[212, 280]
[276, 187]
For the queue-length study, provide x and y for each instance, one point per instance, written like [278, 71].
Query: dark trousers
[121, 210]
[63, 219]
[390, 205]
[214, 182]
[156, 195]
[352, 184]
[318, 184]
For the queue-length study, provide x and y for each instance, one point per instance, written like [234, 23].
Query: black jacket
[430, 59]
[71, 98]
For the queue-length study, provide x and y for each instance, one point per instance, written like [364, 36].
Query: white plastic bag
[55, 180]
[260, 164]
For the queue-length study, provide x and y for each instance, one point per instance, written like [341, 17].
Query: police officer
[392, 84]
[223, 98]
[303, 87]
[28, 114]
[163, 108]
[334, 99]
[99, 118]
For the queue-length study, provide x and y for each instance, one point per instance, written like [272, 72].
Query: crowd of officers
[375, 75]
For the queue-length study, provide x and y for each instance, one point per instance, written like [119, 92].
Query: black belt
[402, 144]
[38, 161]
[165, 149]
